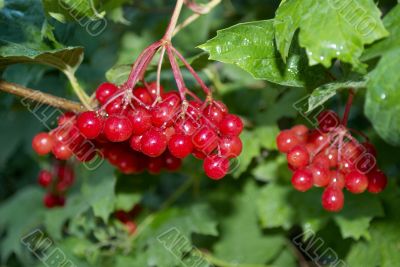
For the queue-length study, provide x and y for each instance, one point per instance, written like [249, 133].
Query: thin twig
[41, 97]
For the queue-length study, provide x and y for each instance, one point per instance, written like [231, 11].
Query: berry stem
[174, 20]
[80, 93]
[206, 90]
[40, 97]
[348, 107]
[177, 73]
[160, 62]
[199, 10]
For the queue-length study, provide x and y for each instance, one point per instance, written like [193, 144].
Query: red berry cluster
[330, 157]
[57, 182]
[147, 128]
[128, 218]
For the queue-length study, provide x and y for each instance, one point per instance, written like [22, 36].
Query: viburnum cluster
[57, 181]
[141, 126]
[330, 157]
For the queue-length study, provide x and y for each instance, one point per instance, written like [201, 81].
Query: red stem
[177, 73]
[348, 107]
[206, 90]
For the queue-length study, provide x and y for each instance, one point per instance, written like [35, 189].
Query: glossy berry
[61, 151]
[332, 154]
[118, 128]
[42, 143]
[369, 148]
[332, 199]
[141, 120]
[231, 125]
[45, 178]
[50, 201]
[298, 157]
[286, 140]
[337, 179]
[172, 163]
[153, 143]
[136, 142]
[152, 89]
[180, 145]
[230, 146]
[320, 174]
[328, 120]
[302, 180]
[205, 139]
[301, 131]
[214, 113]
[155, 165]
[216, 167]
[89, 124]
[356, 182]
[115, 106]
[143, 96]
[67, 117]
[105, 91]
[377, 181]
[163, 114]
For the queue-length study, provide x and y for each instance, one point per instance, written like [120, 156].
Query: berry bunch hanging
[140, 126]
[57, 181]
[331, 157]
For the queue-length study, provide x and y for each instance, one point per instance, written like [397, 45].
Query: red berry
[163, 114]
[153, 143]
[319, 139]
[369, 148]
[143, 95]
[45, 178]
[115, 106]
[67, 117]
[346, 166]
[328, 120]
[332, 199]
[89, 124]
[186, 127]
[155, 165]
[214, 113]
[50, 201]
[231, 125]
[152, 89]
[140, 119]
[198, 154]
[136, 142]
[301, 131]
[322, 160]
[337, 179]
[118, 128]
[172, 163]
[205, 140]
[302, 180]
[332, 154]
[105, 91]
[320, 174]
[131, 227]
[216, 167]
[377, 181]
[42, 143]
[61, 151]
[356, 182]
[298, 157]
[286, 140]
[180, 145]
[366, 163]
[351, 151]
[230, 146]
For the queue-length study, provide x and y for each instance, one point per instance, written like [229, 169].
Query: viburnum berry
[205, 139]
[377, 181]
[61, 151]
[356, 182]
[333, 158]
[231, 125]
[230, 146]
[105, 91]
[216, 167]
[42, 143]
[180, 145]
[89, 124]
[286, 140]
[298, 157]
[171, 163]
[118, 128]
[155, 165]
[45, 178]
[143, 95]
[302, 180]
[140, 119]
[153, 143]
[332, 199]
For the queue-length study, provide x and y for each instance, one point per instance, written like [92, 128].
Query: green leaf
[65, 10]
[253, 141]
[392, 42]
[251, 46]
[255, 247]
[331, 29]
[323, 93]
[66, 59]
[15, 222]
[383, 96]
[273, 208]
[99, 191]
[269, 171]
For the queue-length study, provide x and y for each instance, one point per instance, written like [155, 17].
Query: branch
[41, 97]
